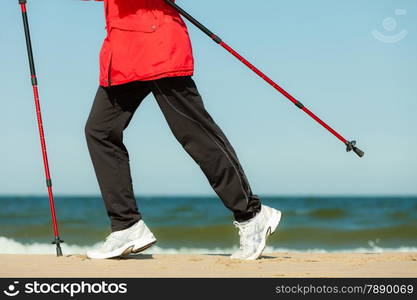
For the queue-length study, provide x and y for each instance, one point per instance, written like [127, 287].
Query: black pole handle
[28, 44]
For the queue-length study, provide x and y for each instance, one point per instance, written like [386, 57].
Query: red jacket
[146, 40]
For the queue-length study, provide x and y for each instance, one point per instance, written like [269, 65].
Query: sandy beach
[282, 264]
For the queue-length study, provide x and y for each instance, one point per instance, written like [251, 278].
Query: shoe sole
[269, 230]
[131, 247]
[143, 248]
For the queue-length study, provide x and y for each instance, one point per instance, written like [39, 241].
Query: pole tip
[58, 250]
[351, 146]
[58, 242]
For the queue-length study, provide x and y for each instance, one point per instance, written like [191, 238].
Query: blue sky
[323, 52]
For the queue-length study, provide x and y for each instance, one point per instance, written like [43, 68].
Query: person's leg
[194, 128]
[110, 114]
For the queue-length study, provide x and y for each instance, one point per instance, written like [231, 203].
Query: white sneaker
[254, 232]
[134, 239]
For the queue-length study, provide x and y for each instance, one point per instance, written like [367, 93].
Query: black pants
[192, 126]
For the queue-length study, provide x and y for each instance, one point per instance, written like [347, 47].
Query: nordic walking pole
[350, 146]
[57, 239]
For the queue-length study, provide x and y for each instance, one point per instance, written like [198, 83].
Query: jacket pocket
[147, 25]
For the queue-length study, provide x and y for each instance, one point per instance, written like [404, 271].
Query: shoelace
[243, 234]
[115, 235]
[110, 240]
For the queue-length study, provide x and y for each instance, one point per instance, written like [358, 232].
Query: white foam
[10, 246]
[158, 250]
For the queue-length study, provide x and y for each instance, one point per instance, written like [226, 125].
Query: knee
[99, 132]
[92, 130]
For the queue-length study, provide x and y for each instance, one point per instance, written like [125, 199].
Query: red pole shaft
[281, 90]
[45, 159]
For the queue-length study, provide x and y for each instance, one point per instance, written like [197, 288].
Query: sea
[202, 225]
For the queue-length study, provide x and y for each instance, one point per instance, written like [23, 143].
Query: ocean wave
[208, 235]
[11, 246]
